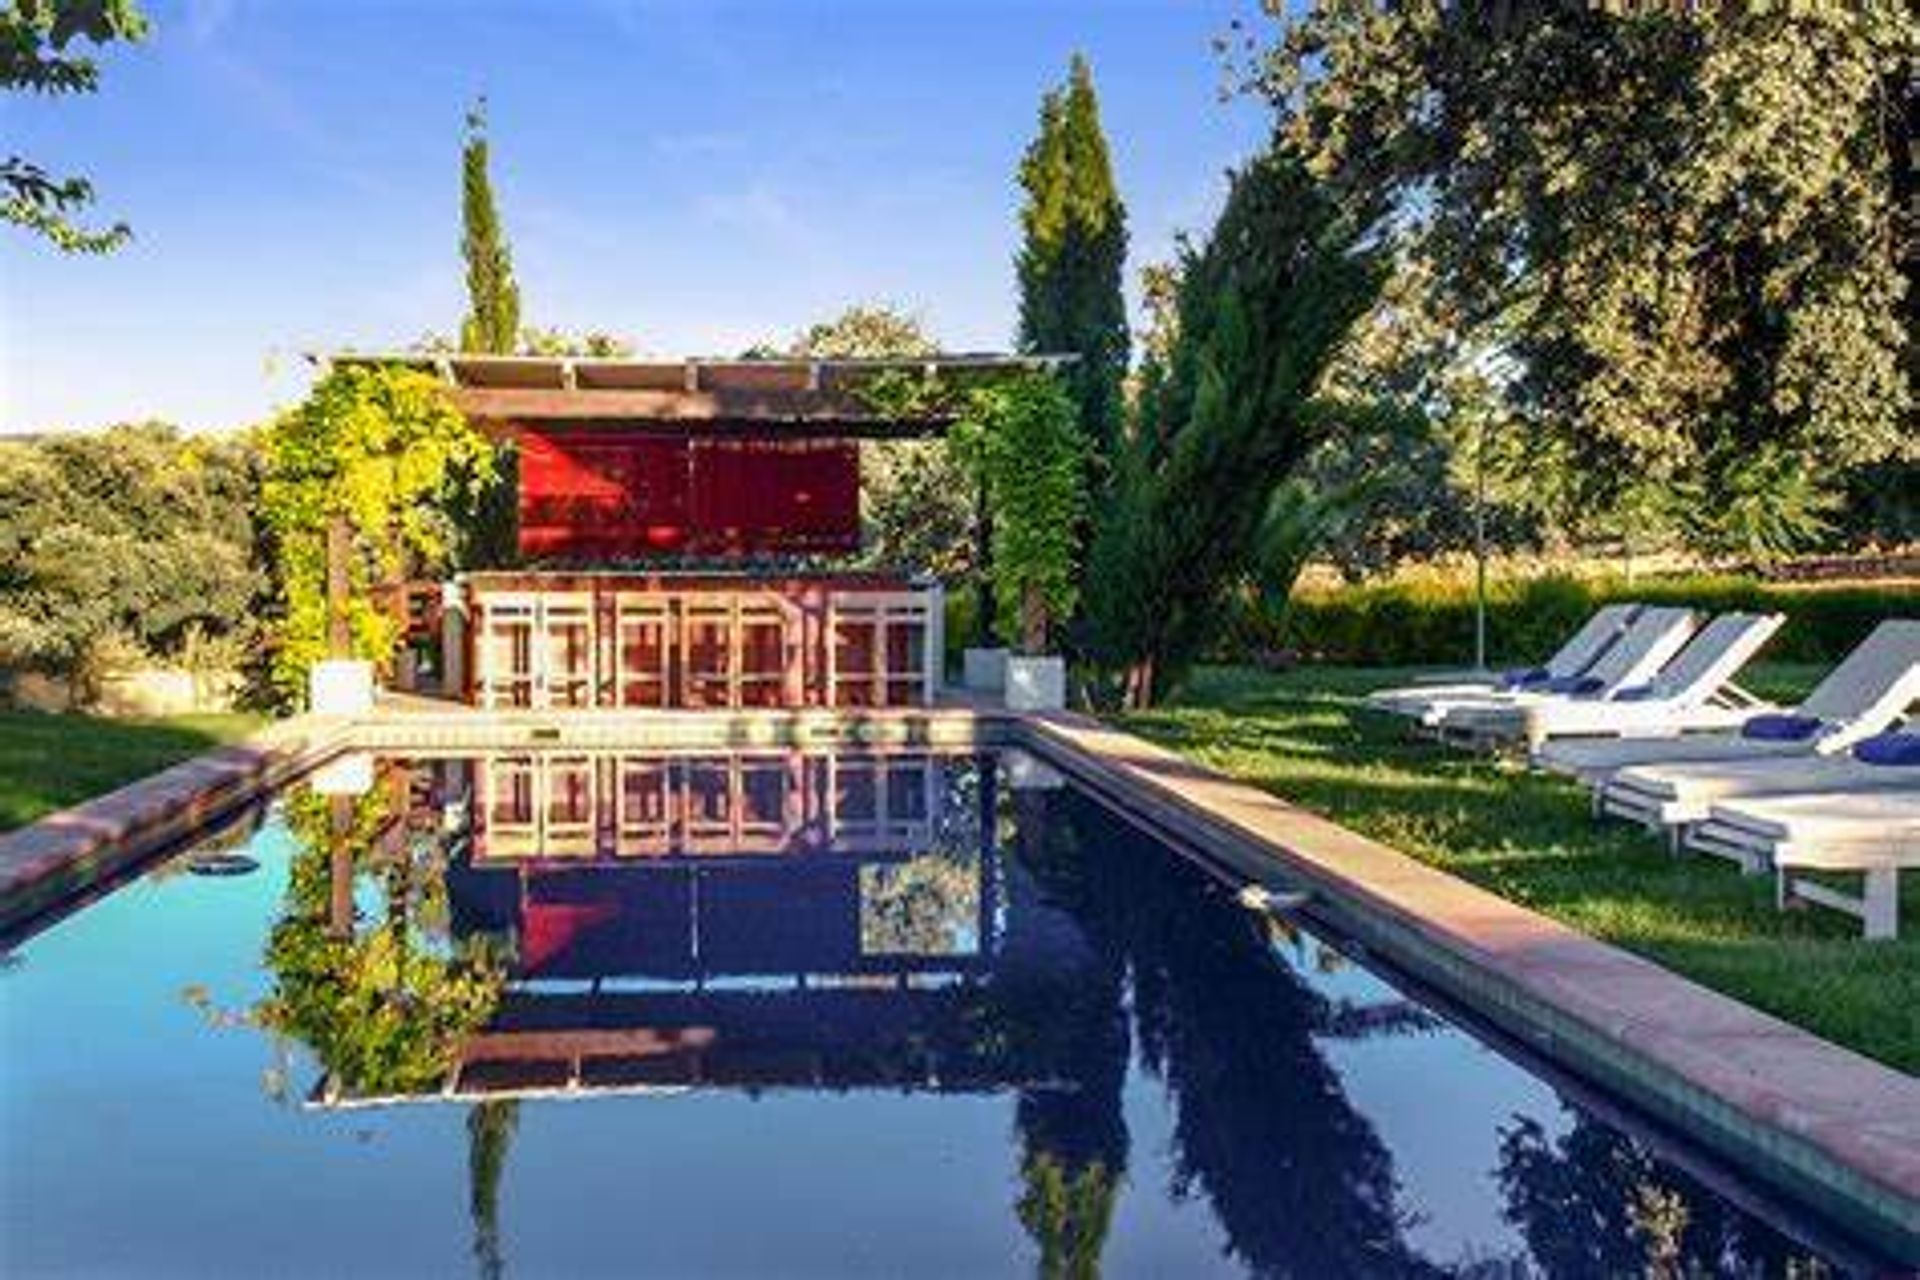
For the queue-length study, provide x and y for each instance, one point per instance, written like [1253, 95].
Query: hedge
[1403, 624]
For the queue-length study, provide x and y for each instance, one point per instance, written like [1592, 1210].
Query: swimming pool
[778, 1013]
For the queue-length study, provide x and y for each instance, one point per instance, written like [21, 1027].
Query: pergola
[679, 521]
[782, 396]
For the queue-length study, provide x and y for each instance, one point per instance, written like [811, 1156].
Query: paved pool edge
[1827, 1126]
[1830, 1127]
[53, 863]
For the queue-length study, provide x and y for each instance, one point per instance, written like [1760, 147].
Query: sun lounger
[1689, 695]
[1870, 689]
[1676, 795]
[1648, 643]
[1569, 662]
[1875, 833]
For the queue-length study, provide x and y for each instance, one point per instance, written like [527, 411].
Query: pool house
[689, 537]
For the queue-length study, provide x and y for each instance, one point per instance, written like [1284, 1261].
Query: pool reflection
[488, 931]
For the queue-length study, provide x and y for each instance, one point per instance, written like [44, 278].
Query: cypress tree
[1074, 254]
[492, 323]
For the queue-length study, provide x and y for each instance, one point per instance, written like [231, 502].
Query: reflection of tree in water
[1593, 1202]
[490, 1129]
[1073, 1136]
[385, 1008]
[926, 906]
[1299, 1181]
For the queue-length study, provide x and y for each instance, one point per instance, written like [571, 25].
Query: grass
[48, 762]
[1528, 837]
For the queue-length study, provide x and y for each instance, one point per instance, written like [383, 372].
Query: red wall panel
[605, 493]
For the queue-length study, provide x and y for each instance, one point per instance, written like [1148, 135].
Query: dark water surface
[773, 1015]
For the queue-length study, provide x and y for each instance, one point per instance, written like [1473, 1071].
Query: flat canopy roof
[800, 396]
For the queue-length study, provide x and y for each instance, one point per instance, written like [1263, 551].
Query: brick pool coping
[48, 864]
[1829, 1126]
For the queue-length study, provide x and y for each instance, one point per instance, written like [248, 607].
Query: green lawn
[48, 762]
[1302, 735]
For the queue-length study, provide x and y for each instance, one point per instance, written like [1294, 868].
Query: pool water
[775, 1014]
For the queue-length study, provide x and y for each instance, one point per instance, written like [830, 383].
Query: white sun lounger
[1870, 689]
[1689, 695]
[1676, 795]
[1874, 833]
[1648, 643]
[1572, 659]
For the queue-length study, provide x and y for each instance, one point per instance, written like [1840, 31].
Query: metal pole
[1480, 547]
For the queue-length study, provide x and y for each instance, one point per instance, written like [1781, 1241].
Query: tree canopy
[136, 537]
[492, 323]
[1263, 305]
[1074, 253]
[36, 57]
[1684, 224]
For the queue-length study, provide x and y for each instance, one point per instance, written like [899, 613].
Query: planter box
[985, 670]
[340, 688]
[1036, 684]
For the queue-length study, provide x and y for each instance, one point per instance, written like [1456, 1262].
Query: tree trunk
[1033, 620]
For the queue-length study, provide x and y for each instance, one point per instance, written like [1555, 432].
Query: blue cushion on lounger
[1778, 727]
[1889, 748]
[1575, 684]
[1637, 693]
[1521, 677]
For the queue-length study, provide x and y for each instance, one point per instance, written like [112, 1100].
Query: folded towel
[1889, 748]
[1574, 685]
[1780, 727]
[1522, 677]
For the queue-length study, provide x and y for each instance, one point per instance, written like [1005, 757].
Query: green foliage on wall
[133, 541]
[385, 450]
[1073, 254]
[1025, 437]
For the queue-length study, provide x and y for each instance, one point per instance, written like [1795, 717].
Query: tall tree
[1263, 305]
[1683, 222]
[492, 323]
[1074, 254]
[34, 58]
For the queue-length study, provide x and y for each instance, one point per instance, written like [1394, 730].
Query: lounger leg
[1676, 838]
[1881, 902]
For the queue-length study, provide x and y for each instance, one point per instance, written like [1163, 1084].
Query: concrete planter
[1036, 683]
[340, 688]
[984, 670]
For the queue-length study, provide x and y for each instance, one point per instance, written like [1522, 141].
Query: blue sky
[697, 176]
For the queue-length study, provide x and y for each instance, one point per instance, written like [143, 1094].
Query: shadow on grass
[49, 762]
[1304, 737]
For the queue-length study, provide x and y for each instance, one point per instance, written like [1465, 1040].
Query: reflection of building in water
[740, 804]
[661, 935]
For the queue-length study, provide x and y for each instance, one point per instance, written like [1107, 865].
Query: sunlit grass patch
[1305, 736]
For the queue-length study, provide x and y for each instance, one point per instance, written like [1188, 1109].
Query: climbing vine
[1023, 436]
[383, 450]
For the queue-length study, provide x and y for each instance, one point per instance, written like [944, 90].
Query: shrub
[1431, 621]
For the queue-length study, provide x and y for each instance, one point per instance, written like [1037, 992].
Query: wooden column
[339, 630]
